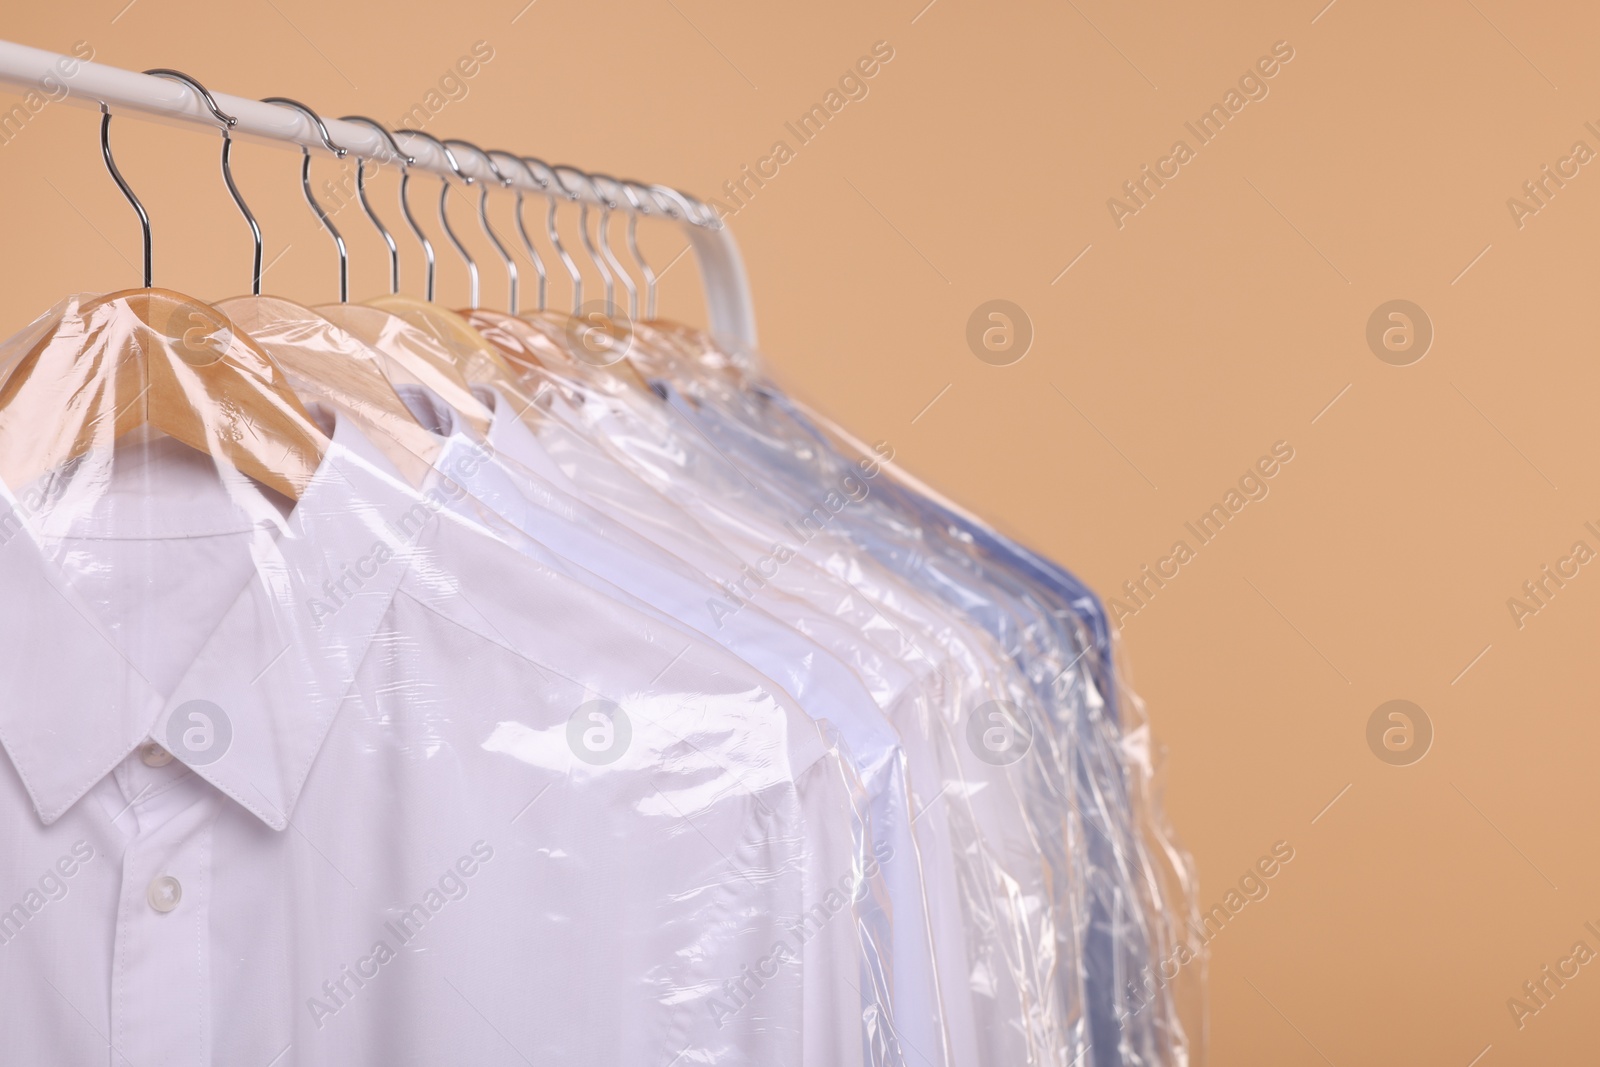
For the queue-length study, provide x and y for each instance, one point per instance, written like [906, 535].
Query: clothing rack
[89, 84]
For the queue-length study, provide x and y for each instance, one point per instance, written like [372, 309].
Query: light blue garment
[1055, 630]
[1023, 974]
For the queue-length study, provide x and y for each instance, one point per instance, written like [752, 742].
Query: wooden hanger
[323, 362]
[473, 353]
[416, 355]
[320, 360]
[478, 360]
[525, 348]
[569, 336]
[672, 350]
[576, 350]
[155, 357]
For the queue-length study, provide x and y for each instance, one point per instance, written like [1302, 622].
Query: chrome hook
[674, 204]
[122, 183]
[555, 234]
[512, 277]
[609, 204]
[583, 230]
[405, 162]
[522, 229]
[632, 189]
[305, 184]
[687, 207]
[444, 217]
[361, 194]
[228, 122]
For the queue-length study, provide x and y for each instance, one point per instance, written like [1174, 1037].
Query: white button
[154, 755]
[164, 893]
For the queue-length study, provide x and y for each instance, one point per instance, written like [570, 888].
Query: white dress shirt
[900, 1012]
[1013, 975]
[347, 782]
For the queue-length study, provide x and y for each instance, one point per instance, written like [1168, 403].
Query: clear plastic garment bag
[390, 682]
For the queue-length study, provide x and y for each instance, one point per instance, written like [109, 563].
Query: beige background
[1229, 313]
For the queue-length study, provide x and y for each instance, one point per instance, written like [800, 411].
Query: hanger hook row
[366, 205]
[227, 120]
[554, 187]
[444, 215]
[583, 231]
[322, 127]
[689, 208]
[228, 123]
[305, 184]
[632, 190]
[400, 156]
[609, 204]
[406, 161]
[522, 228]
[512, 275]
[449, 156]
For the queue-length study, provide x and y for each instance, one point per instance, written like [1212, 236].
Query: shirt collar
[268, 679]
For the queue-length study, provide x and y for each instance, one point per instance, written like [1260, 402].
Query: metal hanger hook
[430, 261]
[305, 184]
[551, 179]
[522, 229]
[678, 205]
[583, 230]
[641, 206]
[608, 205]
[122, 183]
[709, 220]
[361, 193]
[228, 122]
[512, 276]
[444, 215]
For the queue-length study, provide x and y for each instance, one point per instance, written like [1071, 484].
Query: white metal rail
[727, 291]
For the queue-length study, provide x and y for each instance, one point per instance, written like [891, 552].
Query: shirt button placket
[160, 1002]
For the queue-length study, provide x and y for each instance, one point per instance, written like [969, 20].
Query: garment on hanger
[609, 558]
[314, 726]
[1005, 879]
[392, 684]
[1138, 900]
